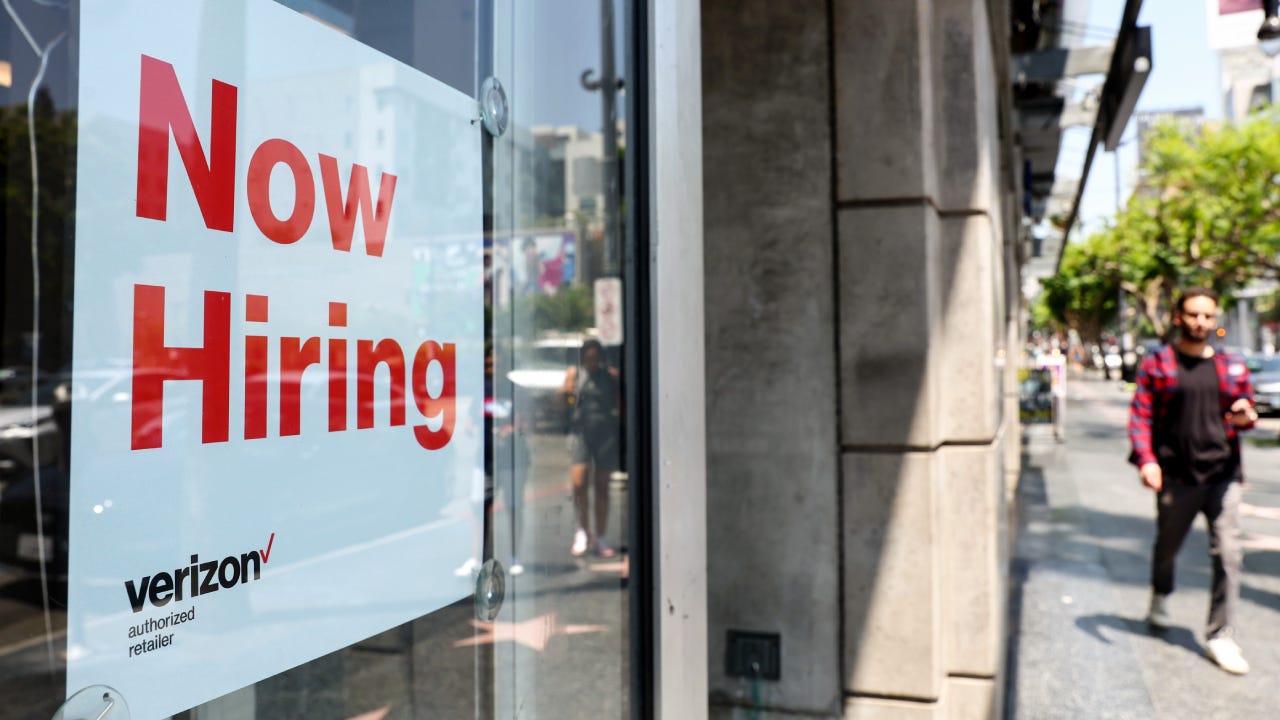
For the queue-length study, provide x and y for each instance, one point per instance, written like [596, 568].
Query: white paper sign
[277, 375]
[608, 309]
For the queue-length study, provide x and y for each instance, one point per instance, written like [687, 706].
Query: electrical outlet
[754, 654]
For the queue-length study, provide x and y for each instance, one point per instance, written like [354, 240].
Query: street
[1079, 644]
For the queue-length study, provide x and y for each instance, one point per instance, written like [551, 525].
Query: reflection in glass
[38, 131]
[554, 469]
[556, 295]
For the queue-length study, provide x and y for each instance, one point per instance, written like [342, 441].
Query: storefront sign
[276, 404]
[1035, 396]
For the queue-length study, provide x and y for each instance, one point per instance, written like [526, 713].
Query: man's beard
[1191, 335]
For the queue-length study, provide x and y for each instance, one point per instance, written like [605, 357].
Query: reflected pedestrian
[1189, 406]
[594, 393]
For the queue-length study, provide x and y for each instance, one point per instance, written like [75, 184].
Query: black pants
[1176, 508]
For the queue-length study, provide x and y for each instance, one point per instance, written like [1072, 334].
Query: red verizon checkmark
[266, 554]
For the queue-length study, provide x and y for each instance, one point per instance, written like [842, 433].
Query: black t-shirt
[1192, 442]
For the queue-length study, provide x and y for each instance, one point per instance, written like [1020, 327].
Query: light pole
[607, 290]
[1269, 32]
[608, 86]
[1128, 359]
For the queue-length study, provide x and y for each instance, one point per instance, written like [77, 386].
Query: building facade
[862, 232]
[481, 418]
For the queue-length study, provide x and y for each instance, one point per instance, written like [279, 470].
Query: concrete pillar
[884, 100]
[891, 330]
[972, 495]
[972, 568]
[772, 530]
[971, 329]
[856, 318]
[922, 329]
[893, 589]
[890, 340]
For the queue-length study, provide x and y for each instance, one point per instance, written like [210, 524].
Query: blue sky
[1184, 74]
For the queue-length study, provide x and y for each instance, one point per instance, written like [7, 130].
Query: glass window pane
[546, 498]
[561, 513]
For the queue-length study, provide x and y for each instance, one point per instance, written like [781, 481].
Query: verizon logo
[200, 578]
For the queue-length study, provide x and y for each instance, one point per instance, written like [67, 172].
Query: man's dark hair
[592, 344]
[1194, 292]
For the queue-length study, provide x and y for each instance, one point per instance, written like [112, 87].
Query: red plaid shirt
[1158, 378]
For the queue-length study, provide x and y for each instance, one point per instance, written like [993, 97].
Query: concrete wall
[771, 407]
[857, 275]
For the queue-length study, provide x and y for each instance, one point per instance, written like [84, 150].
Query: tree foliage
[1206, 212]
[54, 206]
[570, 308]
[1084, 293]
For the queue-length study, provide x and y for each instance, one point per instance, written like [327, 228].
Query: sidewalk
[1079, 646]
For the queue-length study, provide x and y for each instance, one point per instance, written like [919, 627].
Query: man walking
[1183, 425]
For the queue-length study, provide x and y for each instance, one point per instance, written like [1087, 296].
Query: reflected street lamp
[608, 86]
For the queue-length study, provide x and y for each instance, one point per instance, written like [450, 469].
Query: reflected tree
[55, 135]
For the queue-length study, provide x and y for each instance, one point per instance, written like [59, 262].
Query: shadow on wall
[842, 333]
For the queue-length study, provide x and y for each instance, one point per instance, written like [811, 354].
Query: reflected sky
[442, 35]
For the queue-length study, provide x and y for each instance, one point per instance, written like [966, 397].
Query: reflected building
[569, 167]
[1247, 78]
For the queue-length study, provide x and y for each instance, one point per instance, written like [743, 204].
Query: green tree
[55, 140]
[1083, 294]
[570, 308]
[1207, 212]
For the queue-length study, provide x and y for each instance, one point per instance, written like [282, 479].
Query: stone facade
[860, 302]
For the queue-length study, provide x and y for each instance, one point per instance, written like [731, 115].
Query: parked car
[1266, 383]
[1112, 360]
[20, 428]
[23, 540]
